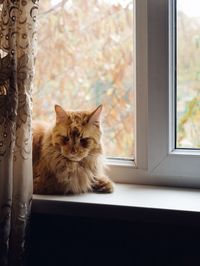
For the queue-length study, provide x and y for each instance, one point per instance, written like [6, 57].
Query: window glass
[85, 58]
[188, 74]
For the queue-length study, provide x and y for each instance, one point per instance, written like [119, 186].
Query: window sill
[128, 202]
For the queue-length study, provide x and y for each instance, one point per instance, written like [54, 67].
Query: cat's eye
[65, 139]
[85, 142]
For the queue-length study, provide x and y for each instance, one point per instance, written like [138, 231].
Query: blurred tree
[85, 57]
[188, 81]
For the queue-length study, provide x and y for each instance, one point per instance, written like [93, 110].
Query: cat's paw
[103, 185]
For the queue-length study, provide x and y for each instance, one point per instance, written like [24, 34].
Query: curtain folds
[17, 53]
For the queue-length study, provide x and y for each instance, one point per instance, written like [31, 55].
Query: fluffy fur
[67, 158]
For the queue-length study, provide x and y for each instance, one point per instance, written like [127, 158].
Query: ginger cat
[67, 158]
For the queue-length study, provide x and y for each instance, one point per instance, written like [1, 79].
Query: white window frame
[157, 162]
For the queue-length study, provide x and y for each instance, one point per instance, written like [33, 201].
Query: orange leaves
[84, 59]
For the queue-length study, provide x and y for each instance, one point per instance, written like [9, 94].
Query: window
[155, 94]
[166, 163]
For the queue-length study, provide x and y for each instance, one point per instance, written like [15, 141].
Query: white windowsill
[124, 203]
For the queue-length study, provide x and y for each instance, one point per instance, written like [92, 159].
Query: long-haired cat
[67, 158]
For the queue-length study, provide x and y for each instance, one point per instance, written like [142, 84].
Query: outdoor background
[85, 58]
[188, 74]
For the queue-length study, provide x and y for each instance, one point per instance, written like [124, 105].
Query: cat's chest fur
[73, 177]
[77, 177]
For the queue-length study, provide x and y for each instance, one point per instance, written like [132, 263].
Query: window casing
[157, 161]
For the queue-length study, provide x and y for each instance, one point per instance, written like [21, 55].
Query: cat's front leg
[102, 185]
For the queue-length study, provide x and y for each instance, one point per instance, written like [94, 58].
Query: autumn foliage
[188, 81]
[85, 57]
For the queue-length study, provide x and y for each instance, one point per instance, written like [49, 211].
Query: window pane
[188, 74]
[85, 58]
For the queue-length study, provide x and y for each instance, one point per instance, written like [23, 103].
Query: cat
[68, 157]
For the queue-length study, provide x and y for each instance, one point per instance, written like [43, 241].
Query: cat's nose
[73, 150]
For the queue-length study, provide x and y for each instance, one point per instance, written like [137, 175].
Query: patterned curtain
[17, 53]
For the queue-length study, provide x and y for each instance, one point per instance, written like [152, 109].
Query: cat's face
[77, 134]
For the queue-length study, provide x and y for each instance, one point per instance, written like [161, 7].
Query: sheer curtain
[17, 53]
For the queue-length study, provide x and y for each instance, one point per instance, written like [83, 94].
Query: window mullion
[141, 82]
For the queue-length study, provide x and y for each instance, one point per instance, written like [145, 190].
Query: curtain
[17, 52]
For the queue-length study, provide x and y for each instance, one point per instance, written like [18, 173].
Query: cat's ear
[95, 116]
[60, 114]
